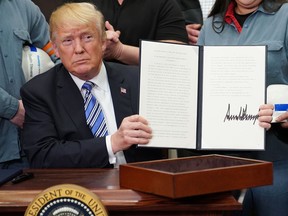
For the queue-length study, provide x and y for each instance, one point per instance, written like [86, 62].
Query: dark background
[47, 7]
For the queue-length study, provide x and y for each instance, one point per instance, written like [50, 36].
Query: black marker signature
[241, 116]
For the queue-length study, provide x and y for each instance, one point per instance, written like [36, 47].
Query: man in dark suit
[55, 131]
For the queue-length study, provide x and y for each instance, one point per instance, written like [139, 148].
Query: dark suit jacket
[55, 132]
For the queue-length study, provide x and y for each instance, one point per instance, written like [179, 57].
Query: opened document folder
[203, 97]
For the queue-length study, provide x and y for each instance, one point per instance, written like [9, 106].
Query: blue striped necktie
[93, 112]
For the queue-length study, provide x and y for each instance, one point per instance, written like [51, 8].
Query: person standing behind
[191, 11]
[195, 13]
[57, 103]
[128, 21]
[21, 23]
[241, 22]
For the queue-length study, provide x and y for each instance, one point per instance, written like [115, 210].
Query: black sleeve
[191, 10]
[171, 24]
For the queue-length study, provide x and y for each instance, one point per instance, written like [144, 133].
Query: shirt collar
[100, 80]
[230, 17]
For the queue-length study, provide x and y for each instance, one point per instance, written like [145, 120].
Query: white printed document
[203, 97]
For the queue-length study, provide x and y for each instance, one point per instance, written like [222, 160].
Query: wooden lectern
[14, 198]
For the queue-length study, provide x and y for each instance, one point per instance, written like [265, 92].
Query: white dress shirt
[101, 91]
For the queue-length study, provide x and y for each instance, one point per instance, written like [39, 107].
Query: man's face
[80, 50]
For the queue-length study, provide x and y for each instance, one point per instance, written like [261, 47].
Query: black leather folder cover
[8, 174]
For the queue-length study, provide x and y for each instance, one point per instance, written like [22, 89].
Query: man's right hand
[18, 119]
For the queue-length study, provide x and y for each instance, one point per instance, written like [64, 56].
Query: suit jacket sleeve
[55, 133]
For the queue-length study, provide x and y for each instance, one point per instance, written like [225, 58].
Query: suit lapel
[72, 101]
[120, 93]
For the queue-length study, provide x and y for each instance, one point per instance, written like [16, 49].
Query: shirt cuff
[13, 108]
[112, 156]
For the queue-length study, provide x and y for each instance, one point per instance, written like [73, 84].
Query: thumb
[108, 26]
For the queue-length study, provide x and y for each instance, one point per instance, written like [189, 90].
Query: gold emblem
[66, 200]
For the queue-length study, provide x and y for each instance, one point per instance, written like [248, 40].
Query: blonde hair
[73, 14]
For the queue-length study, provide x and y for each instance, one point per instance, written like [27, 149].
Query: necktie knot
[88, 85]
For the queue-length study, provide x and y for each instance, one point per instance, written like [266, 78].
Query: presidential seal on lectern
[66, 200]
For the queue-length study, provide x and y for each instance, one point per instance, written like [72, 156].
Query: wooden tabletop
[14, 198]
